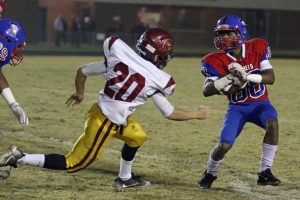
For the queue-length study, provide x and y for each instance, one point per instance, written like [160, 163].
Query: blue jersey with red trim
[5, 52]
[255, 52]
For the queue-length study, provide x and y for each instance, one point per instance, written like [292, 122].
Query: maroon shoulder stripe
[112, 40]
[170, 83]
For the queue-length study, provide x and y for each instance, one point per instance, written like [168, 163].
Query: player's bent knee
[141, 139]
[138, 140]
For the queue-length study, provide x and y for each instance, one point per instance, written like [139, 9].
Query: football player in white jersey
[131, 79]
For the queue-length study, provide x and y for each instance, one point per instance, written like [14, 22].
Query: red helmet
[156, 45]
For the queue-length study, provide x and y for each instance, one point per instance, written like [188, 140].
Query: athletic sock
[37, 160]
[268, 154]
[125, 169]
[213, 166]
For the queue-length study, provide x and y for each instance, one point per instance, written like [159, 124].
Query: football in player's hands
[237, 81]
[230, 89]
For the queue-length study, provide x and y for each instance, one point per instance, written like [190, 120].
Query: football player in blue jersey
[12, 41]
[248, 96]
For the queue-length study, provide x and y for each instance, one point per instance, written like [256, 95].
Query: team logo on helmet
[13, 30]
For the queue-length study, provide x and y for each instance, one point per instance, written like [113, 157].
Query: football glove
[20, 113]
[237, 70]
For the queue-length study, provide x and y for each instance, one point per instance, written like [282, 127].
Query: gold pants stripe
[87, 155]
[101, 143]
[98, 131]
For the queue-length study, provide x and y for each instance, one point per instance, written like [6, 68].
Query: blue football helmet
[13, 33]
[225, 25]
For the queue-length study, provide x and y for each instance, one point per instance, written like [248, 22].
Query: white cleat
[11, 157]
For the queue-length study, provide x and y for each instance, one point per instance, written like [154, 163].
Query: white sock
[268, 154]
[37, 160]
[125, 169]
[212, 165]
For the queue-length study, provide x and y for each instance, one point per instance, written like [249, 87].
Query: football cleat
[134, 182]
[267, 178]
[11, 157]
[206, 180]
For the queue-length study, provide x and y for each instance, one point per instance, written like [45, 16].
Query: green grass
[174, 156]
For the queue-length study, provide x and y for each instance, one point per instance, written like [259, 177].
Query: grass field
[174, 156]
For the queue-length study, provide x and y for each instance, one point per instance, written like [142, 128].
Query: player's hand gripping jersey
[255, 58]
[130, 80]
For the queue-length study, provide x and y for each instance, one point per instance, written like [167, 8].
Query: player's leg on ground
[233, 124]
[269, 148]
[214, 162]
[134, 136]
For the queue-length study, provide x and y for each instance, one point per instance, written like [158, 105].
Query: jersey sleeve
[263, 49]
[162, 103]
[94, 68]
[264, 52]
[170, 87]
[211, 67]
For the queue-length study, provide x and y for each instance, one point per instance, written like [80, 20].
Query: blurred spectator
[137, 30]
[76, 28]
[65, 30]
[89, 30]
[183, 21]
[59, 30]
[116, 26]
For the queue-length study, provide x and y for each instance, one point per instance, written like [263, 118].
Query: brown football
[230, 89]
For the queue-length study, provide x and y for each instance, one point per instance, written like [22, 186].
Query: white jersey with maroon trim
[130, 80]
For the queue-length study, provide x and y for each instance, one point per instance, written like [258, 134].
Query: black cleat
[135, 182]
[267, 178]
[206, 180]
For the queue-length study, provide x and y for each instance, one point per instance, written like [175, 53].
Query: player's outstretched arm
[172, 113]
[202, 112]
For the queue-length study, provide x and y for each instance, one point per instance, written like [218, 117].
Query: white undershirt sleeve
[265, 65]
[162, 103]
[94, 68]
